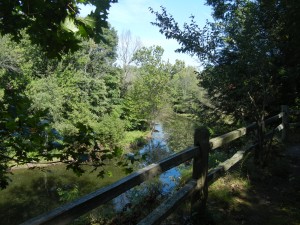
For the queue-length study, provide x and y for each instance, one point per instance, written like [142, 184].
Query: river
[45, 189]
[156, 149]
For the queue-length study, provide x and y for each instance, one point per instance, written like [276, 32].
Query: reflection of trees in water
[177, 134]
[156, 151]
[28, 201]
[39, 195]
[179, 131]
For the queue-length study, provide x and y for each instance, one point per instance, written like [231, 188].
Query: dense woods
[75, 93]
[76, 108]
[250, 58]
[250, 54]
[64, 97]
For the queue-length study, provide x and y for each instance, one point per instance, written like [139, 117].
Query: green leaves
[88, 21]
[59, 110]
[243, 52]
[69, 25]
[149, 91]
[54, 25]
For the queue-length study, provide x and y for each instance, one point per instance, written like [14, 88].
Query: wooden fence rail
[67, 213]
[197, 187]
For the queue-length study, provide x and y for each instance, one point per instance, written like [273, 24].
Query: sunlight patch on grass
[227, 190]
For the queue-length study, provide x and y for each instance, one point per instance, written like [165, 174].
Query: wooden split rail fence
[196, 188]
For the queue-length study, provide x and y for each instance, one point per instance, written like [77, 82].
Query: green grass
[226, 189]
[133, 140]
[256, 195]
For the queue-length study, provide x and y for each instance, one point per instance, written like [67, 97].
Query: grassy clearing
[227, 190]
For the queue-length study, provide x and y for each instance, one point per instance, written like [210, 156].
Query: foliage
[149, 91]
[64, 110]
[185, 92]
[181, 131]
[54, 25]
[246, 53]
[69, 99]
[71, 109]
[23, 132]
[67, 194]
[134, 140]
[246, 65]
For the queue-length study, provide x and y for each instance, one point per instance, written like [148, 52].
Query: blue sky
[134, 15]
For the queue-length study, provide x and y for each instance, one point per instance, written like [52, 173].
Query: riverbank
[133, 140]
[43, 189]
[250, 194]
[40, 187]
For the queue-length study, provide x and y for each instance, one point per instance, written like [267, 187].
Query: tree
[54, 25]
[243, 54]
[127, 47]
[23, 133]
[185, 91]
[248, 67]
[59, 110]
[97, 60]
[66, 108]
[149, 91]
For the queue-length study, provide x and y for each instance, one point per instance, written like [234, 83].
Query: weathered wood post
[285, 122]
[200, 168]
[260, 149]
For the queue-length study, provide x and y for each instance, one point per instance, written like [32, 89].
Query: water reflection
[156, 149]
[179, 131]
[40, 188]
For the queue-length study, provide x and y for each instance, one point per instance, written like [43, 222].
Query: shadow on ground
[267, 196]
[253, 195]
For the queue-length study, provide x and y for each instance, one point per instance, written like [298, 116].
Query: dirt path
[251, 195]
[271, 196]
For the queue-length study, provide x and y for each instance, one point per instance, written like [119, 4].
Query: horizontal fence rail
[169, 205]
[71, 211]
[294, 113]
[227, 138]
[196, 187]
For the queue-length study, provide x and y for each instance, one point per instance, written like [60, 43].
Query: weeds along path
[253, 195]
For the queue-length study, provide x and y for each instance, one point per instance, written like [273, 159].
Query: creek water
[156, 149]
[38, 189]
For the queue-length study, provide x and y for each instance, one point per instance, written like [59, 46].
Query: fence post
[200, 168]
[285, 122]
[259, 150]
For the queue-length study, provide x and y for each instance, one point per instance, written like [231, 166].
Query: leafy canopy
[59, 109]
[54, 25]
[250, 54]
[149, 90]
